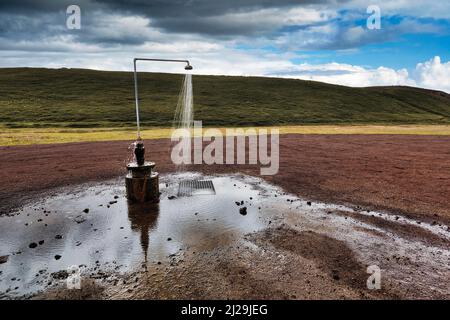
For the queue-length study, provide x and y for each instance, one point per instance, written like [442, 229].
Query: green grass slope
[32, 97]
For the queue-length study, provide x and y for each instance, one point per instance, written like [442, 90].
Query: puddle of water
[97, 227]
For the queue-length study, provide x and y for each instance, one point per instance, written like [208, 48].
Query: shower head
[188, 67]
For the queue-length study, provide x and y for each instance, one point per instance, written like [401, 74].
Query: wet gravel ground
[208, 246]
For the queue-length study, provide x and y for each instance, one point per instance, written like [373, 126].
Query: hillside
[32, 97]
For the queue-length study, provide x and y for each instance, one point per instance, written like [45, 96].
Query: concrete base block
[143, 189]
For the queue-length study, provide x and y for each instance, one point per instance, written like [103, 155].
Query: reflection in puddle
[95, 227]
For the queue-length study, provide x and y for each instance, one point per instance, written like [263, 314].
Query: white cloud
[433, 74]
[350, 75]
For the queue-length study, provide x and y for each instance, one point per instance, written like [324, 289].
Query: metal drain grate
[188, 188]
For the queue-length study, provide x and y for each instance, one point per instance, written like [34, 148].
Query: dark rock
[237, 203]
[32, 245]
[169, 239]
[243, 211]
[335, 275]
[112, 202]
[3, 259]
[171, 197]
[308, 203]
[60, 275]
[80, 219]
[58, 236]
[116, 197]
[57, 257]
[41, 242]
[86, 210]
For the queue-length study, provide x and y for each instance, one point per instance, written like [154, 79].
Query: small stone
[243, 211]
[308, 203]
[171, 197]
[41, 242]
[80, 219]
[60, 275]
[112, 202]
[116, 197]
[32, 245]
[86, 210]
[169, 239]
[57, 257]
[3, 259]
[335, 275]
[58, 236]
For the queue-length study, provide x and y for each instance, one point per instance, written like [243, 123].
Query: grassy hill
[86, 98]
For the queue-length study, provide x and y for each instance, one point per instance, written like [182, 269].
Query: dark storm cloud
[43, 21]
[204, 17]
[199, 8]
[40, 6]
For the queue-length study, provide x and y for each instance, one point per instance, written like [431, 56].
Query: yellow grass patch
[26, 136]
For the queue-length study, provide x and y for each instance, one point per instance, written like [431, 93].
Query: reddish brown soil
[404, 174]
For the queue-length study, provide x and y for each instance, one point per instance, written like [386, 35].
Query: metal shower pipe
[187, 67]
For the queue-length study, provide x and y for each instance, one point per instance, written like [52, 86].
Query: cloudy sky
[318, 40]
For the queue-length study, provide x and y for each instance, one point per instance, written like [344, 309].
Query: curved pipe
[187, 67]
